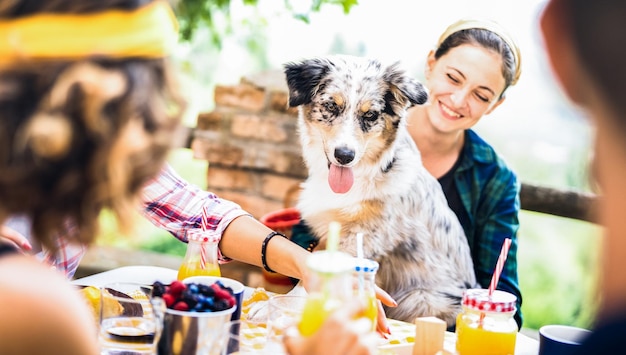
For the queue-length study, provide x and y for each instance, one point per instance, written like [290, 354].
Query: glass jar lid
[480, 300]
[365, 265]
[200, 236]
[330, 262]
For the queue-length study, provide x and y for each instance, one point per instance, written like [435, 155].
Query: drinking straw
[205, 227]
[359, 245]
[496, 273]
[359, 255]
[332, 242]
[499, 265]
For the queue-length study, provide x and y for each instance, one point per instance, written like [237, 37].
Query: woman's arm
[176, 206]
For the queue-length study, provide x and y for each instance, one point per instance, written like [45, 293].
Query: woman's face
[464, 84]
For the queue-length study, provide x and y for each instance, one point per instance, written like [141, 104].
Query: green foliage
[558, 267]
[193, 14]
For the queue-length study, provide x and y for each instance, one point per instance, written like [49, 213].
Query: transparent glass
[364, 287]
[330, 286]
[201, 256]
[485, 333]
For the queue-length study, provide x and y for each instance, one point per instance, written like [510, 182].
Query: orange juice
[316, 309]
[371, 310]
[329, 286]
[486, 325]
[473, 339]
[192, 268]
[364, 287]
[201, 249]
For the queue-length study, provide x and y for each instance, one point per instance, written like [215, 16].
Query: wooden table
[402, 333]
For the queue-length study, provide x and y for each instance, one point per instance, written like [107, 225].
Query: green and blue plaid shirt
[489, 195]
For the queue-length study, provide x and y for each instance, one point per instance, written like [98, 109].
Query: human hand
[10, 236]
[383, 297]
[340, 334]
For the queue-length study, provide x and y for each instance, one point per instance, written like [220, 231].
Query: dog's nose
[344, 155]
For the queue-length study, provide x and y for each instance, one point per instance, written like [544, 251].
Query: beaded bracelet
[264, 249]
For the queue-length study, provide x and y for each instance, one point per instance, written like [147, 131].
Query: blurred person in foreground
[586, 45]
[88, 108]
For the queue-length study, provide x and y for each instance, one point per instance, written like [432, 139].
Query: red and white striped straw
[205, 228]
[499, 265]
[205, 219]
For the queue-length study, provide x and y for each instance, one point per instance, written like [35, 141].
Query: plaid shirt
[170, 203]
[489, 191]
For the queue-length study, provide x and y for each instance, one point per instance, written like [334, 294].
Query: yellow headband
[148, 32]
[466, 24]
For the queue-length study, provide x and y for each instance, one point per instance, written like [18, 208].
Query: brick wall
[251, 144]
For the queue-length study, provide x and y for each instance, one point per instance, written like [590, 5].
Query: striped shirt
[169, 203]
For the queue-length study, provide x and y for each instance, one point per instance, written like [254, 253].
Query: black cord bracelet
[264, 249]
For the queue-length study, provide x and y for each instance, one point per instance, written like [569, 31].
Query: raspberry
[231, 301]
[177, 287]
[181, 306]
[169, 300]
[222, 294]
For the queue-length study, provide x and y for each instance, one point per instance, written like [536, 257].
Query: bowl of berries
[195, 315]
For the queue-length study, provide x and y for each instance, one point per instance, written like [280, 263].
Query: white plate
[140, 274]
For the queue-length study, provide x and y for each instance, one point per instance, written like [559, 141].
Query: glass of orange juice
[330, 286]
[486, 326]
[201, 256]
[364, 287]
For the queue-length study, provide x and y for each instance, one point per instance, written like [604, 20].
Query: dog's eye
[370, 116]
[331, 106]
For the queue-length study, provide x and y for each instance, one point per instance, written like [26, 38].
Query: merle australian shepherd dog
[365, 172]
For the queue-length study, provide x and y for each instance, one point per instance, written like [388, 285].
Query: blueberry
[206, 290]
[158, 289]
[220, 305]
[208, 302]
[193, 288]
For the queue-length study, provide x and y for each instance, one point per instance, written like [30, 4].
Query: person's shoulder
[483, 153]
[37, 302]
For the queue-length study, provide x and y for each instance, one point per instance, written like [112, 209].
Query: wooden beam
[557, 202]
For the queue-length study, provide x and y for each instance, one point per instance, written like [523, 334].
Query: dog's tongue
[340, 179]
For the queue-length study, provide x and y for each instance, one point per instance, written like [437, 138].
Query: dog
[365, 172]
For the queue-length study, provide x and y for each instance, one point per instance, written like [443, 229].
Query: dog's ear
[303, 79]
[405, 88]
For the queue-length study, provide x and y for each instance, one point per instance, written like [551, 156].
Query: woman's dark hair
[486, 39]
[78, 137]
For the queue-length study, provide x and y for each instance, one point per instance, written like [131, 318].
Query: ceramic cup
[235, 285]
[560, 339]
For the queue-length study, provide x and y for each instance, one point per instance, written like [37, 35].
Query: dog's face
[351, 108]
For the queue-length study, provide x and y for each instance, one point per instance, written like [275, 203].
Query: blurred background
[543, 138]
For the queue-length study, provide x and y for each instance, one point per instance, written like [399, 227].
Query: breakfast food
[194, 297]
[91, 294]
